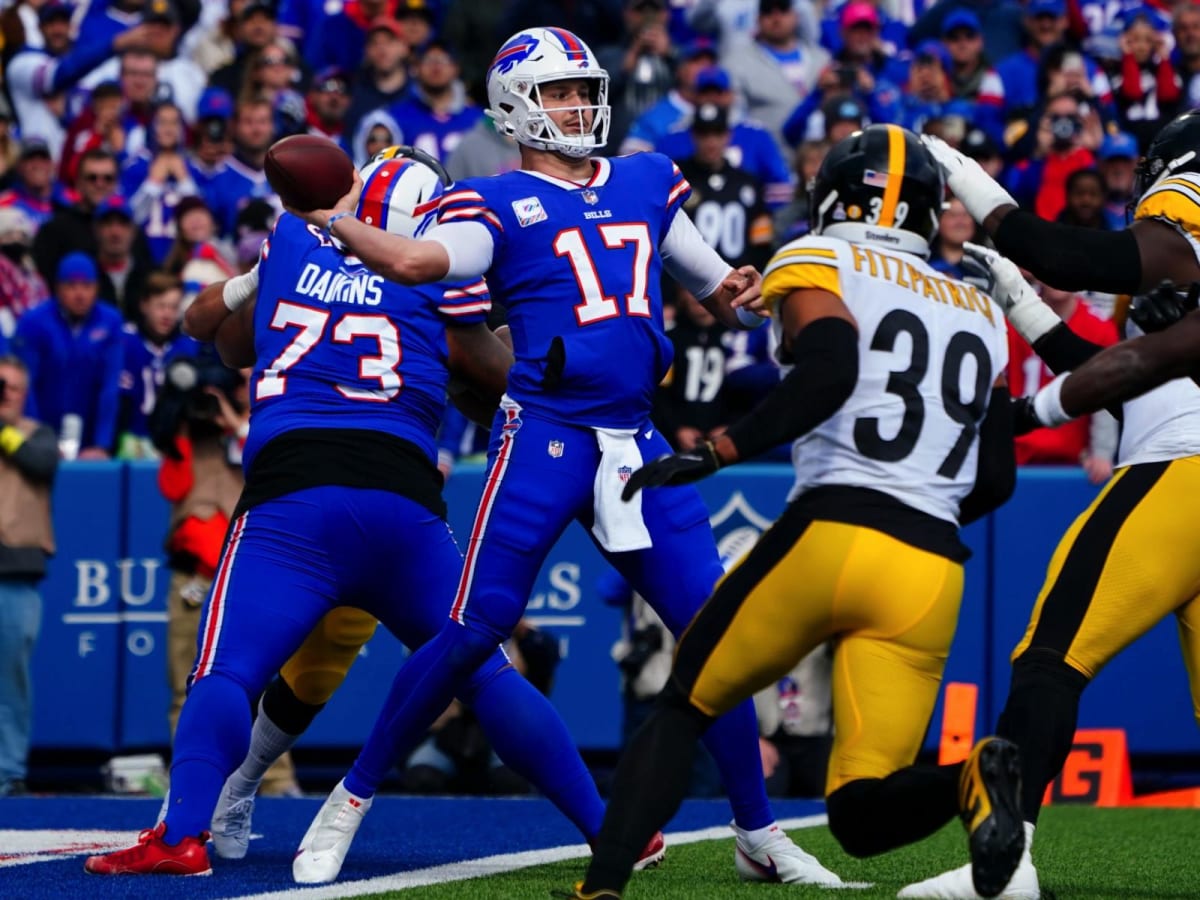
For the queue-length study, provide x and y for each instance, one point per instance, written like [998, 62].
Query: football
[309, 172]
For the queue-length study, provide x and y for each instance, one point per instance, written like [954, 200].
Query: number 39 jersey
[340, 347]
[930, 349]
[580, 263]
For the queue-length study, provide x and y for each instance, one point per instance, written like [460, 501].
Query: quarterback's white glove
[976, 189]
[1022, 306]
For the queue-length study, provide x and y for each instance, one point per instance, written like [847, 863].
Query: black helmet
[1176, 148]
[879, 185]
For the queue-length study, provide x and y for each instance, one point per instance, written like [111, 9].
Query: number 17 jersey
[580, 263]
[930, 348]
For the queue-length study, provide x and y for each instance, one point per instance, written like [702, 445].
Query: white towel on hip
[619, 525]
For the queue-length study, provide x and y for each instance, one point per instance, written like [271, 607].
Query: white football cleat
[777, 858]
[324, 846]
[231, 824]
[958, 885]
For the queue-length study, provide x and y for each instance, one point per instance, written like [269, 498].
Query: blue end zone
[400, 834]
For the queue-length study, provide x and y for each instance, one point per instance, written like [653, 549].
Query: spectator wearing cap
[927, 95]
[122, 273]
[841, 117]
[675, 108]
[727, 202]
[978, 145]
[157, 178]
[751, 147]
[33, 183]
[418, 22]
[893, 33]
[328, 100]
[37, 78]
[382, 81]
[70, 228]
[1000, 24]
[21, 287]
[437, 113]
[1186, 28]
[253, 29]
[1147, 90]
[210, 139]
[775, 71]
[73, 349]
[343, 35]
[640, 69]
[1118, 157]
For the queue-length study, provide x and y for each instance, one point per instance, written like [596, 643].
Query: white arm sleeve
[690, 261]
[469, 246]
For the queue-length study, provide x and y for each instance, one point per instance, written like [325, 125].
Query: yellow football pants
[318, 668]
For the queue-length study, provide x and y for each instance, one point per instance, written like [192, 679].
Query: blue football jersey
[142, 375]
[581, 263]
[339, 346]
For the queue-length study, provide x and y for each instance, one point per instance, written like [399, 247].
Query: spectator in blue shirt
[438, 113]
[1118, 157]
[74, 350]
[383, 79]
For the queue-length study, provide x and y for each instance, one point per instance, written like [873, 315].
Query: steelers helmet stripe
[896, 163]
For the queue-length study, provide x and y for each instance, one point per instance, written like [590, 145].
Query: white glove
[1022, 306]
[976, 189]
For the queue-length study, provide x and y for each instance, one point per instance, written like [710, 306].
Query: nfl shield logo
[624, 472]
[555, 449]
[589, 196]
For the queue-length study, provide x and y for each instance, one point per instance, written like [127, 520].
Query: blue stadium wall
[100, 667]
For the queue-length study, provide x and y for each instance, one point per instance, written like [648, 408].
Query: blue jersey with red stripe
[338, 346]
[581, 263]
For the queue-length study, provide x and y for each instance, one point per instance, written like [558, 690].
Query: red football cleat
[653, 854]
[151, 855]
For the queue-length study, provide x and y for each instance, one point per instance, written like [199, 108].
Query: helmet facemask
[521, 114]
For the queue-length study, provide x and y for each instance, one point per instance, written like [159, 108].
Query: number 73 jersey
[930, 348]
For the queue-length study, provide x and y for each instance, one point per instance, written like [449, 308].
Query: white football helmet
[532, 58]
[402, 187]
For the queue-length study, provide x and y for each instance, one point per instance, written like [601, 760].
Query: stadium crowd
[133, 135]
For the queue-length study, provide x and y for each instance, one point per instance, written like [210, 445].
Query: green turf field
[1099, 854]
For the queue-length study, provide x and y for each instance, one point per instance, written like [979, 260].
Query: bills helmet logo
[515, 51]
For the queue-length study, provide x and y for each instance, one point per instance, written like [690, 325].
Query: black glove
[673, 469]
[1024, 416]
[977, 272]
[1163, 307]
[556, 361]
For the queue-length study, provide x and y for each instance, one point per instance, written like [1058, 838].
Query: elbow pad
[825, 373]
[1070, 258]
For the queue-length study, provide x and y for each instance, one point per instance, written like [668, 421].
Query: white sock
[268, 742]
[756, 837]
[1029, 826]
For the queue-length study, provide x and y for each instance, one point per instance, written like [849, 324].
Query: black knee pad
[289, 713]
[848, 809]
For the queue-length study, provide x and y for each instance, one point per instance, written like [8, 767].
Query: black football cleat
[989, 803]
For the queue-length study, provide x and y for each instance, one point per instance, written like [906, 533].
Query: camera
[184, 398]
[1064, 130]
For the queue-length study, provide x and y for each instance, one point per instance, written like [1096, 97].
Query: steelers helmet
[1176, 148]
[878, 186]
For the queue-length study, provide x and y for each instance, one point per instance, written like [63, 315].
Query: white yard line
[494, 865]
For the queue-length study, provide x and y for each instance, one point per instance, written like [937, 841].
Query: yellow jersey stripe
[896, 160]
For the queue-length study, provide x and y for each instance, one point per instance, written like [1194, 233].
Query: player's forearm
[1067, 257]
[1131, 368]
[206, 313]
[396, 258]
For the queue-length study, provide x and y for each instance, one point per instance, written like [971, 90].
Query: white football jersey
[930, 349]
[1165, 422]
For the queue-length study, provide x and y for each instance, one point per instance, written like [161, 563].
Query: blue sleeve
[1024, 181]
[774, 172]
[26, 344]
[83, 56]
[796, 125]
[110, 386]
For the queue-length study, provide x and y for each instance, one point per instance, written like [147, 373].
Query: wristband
[335, 218]
[1047, 403]
[239, 289]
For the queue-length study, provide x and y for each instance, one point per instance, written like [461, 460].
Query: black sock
[1039, 717]
[290, 714]
[874, 815]
[650, 784]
